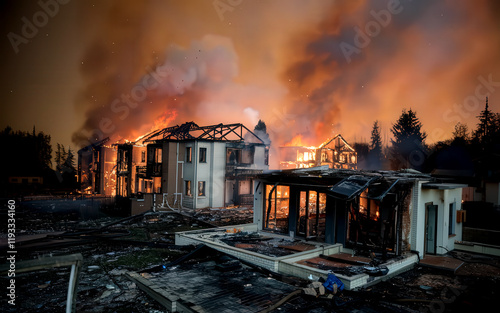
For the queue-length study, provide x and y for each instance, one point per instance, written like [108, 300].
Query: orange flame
[295, 142]
[164, 120]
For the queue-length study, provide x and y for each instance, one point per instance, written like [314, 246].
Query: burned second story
[97, 168]
[205, 165]
[334, 152]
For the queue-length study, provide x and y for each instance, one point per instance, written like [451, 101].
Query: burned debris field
[120, 258]
[250, 156]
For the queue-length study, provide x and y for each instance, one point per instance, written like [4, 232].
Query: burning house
[321, 217]
[97, 169]
[335, 152]
[185, 165]
[388, 212]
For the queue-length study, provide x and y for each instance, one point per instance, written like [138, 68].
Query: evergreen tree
[376, 155]
[460, 134]
[69, 170]
[486, 125]
[408, 145]
[70, 160]
[30, 154]
[61, 156]
[261, 131]
[58, 158]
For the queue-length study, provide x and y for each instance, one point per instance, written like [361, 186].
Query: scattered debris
[104, 287]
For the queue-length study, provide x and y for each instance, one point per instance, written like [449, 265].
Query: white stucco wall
[212, 172]
[258, 203]
[441, 198]
[452, 196]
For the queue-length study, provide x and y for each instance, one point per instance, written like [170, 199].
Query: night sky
[84, 70]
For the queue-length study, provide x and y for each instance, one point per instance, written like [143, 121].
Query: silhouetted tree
[486, 126]
[261, 130]
[461, 132]
[61, 156]
[375, 155]
[408, 145]
[69, 170]
[460, 135]
[25, 154]
[362, 150]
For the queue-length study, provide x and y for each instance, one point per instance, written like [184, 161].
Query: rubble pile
[104, 286]
[225, 216]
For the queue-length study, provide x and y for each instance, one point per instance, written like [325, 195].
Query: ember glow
[313, 69]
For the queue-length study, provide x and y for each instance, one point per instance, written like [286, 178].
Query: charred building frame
[183, 166]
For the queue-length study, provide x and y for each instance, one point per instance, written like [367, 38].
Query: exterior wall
[212, 172]
[260, 157]
[441, 198]
[173, 160]
[493, 193]
[452, 196]
[258, 203]
[138, 206]
[137, 160]
[108, 174]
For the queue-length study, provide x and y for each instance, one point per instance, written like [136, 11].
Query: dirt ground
[148, 242]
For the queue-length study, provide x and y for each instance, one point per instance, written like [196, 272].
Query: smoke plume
[305, 69]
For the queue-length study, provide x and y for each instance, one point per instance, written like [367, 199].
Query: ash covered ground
[145, 243]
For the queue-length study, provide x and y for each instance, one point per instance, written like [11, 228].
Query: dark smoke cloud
[282, 62]
[208, 70]
[427, 57]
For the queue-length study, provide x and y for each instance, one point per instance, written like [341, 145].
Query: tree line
[464, 151]
[29, 154]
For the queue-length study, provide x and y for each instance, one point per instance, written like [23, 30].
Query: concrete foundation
[288, 264]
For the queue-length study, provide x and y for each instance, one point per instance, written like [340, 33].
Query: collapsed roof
[191, 131]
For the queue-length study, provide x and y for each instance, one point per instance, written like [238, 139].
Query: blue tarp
[332, 279]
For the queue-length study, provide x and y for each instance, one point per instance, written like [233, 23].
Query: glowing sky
[315, 68]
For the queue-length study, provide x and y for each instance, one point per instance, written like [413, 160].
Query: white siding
[258, 203]
[441, 198]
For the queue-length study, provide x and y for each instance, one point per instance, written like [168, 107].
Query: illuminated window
[276, 215]
[188, 188]
[189, 154]
[201, 188]
[158, 154]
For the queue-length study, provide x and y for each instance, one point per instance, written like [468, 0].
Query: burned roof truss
[191, 131]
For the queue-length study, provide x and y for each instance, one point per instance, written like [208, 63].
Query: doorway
[311, 215]
[430, 228]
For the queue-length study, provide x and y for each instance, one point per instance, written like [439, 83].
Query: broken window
[187, 188]
[233, 156]
[143, 156]
[189, 155]
[277, 200]
[203, 155]
[201, 188]
[157, 184]
[312, 215]
[158, 154]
